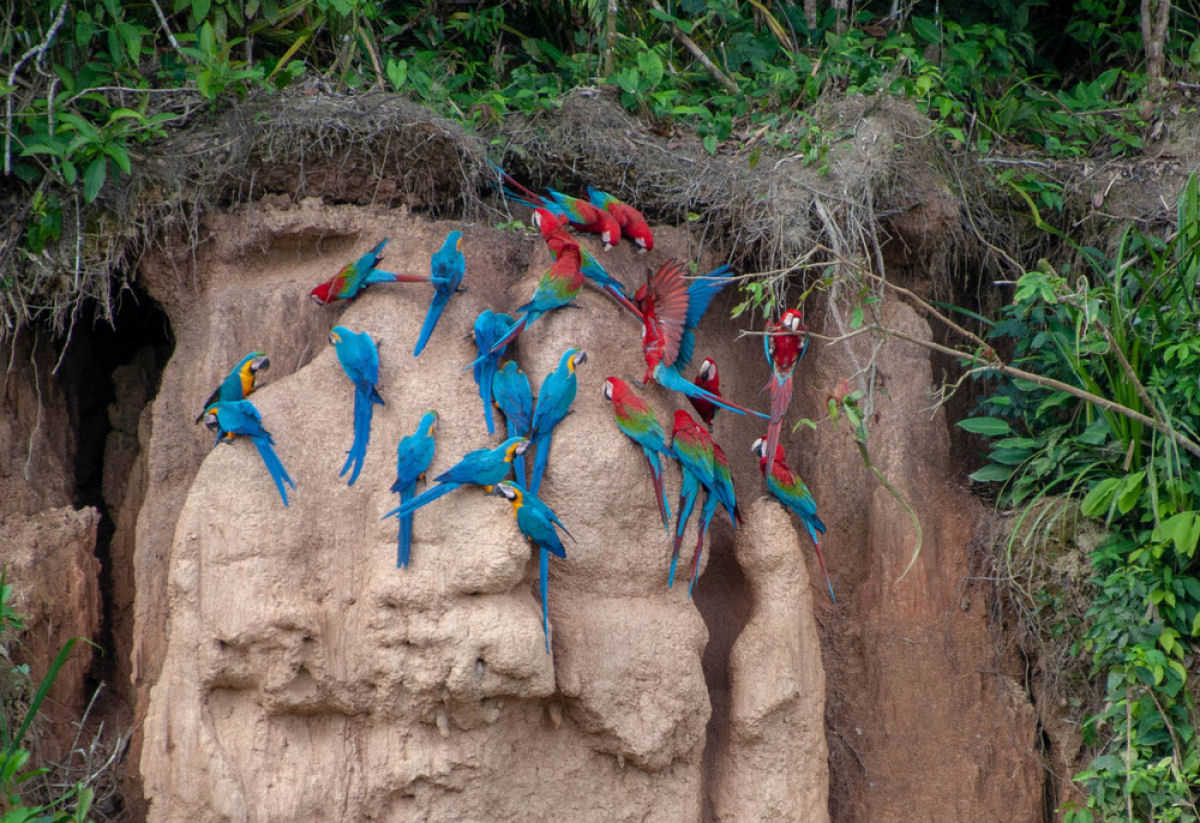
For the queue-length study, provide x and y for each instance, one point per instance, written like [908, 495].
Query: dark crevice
[725, 600]
[105, 405]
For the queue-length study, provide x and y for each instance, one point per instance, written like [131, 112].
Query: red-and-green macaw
[637, 421]
[489, 327]
[413, 456]
[482, 467]
[581, 214]
[709, 380]
[632, 224]
[693, 448]
[356, 276]
[536, 522]
[554, 232]
[554, 400]
[239, 384]
[231, 418]
[514, 397]
[560, 284]
[672, 306]
[721, 492]
[360, 360]
[446, 270]
[784, 345]
[787, 487]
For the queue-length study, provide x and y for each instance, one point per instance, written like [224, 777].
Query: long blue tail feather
[436, 306]
[404, 549]
[543, 575]
[668, 378]
[274, 466]
[422, 499]
[542, 442]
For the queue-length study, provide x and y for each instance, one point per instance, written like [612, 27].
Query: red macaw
[784, 345]
[581, 214]
[693, 448]
[356, 276]
[709, 380]
[554, 232]
[560, 284]
[637, 421]
[672, 306]
[787, 487]
[632, 224]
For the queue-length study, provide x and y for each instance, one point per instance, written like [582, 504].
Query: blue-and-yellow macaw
[482, 467]
[693, 447]
[637, 421]
[489, 327]
[536, 522]
[446, 271]
[360, 360]
[230, 418]
[787, 487]
[413, 456]
[554, 400]
[722, 493]
[514, 397]
[239, 384]
[672, 306]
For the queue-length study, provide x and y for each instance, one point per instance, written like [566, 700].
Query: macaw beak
[581, 357]
[757, 448]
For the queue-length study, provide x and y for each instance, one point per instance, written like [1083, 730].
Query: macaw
[581, 214]
[413, 456]
[514, 397]
[555, 396]
[632, 224]
[481, 467]
[536, 522]
[709, 380]
[230, 418]
[239, 384]
[637, 421]
[784, 345]
[672, 306]
[557, 238]
[360, 360]
[721, 492]
[446, 271]
[693, 448]
[356, 276]
[489, 327]
[560, 284]
[787, 487]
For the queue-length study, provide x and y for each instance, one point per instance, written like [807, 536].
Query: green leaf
[987, 426]
[926, 29]
[992, 474]
[397, 72]
[710, 143]
[93, 178]
[200, 9]
[652, 67]
[69, 172]
[1098, 499]
[119, 156]
[1130, 492]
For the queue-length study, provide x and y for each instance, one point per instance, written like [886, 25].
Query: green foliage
[15, 771]
[1129, 333]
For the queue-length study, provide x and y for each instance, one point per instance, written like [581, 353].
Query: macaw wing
[668, 291]
[540, 529]
[448, 268]
[576, 210]
[700, 291]
[600, 199]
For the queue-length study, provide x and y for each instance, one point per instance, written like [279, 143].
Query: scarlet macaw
[632, 224]
[560, 284]
[721, 492]
[482, 467]
[693, 448]
[360, 360]
[672, 306]
[536, 522]
[555, 396]
[709, 380]
[489, 327]
[356, 276]
[581, 214]
[637, 421]
[557, 238]
[784, 345]
[230, 418]
[413, 456]
[239, 384]
[446, 271]
[787, 487]
[514, 397]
